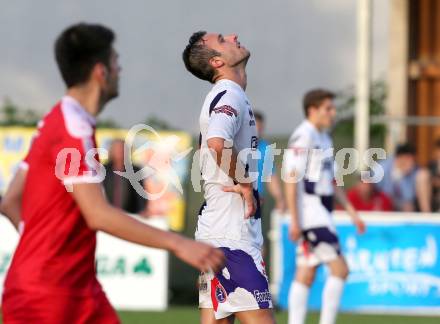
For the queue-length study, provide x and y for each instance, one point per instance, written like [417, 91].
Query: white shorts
[242, 285]
[316, 246]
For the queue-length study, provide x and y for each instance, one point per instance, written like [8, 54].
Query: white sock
[298, 297]
[331, 297]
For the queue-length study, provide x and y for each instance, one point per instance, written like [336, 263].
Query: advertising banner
[161, 151]
[394, 266]
[132, 276]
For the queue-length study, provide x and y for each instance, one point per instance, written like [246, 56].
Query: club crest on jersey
[220, 293]
[228, 110]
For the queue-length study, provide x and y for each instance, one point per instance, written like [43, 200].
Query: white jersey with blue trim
[310, 155]
[227, 114]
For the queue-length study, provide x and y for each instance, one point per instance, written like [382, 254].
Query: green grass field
[189, 315]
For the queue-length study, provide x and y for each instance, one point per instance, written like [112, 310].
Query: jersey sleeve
[75, 154]
[225, 118]
[295, 157]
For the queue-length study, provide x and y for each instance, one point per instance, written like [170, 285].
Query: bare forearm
[115, 222]
[100, 215]
[290, 191]
[12, 213]
[341, 197]
[226, 159]
[351, 211]
[274, 187]
[10, 205]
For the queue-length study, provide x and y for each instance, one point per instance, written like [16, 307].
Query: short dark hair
[79, 48]
[196, 56]
[315, 97]
[405, 148]
[259, 116]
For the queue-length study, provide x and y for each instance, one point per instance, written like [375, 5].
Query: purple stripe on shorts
[244, 274]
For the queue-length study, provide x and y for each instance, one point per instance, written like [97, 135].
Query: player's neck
[237, 75]
[315, 124]
[88, 97]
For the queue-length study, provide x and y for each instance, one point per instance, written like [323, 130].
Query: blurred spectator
[365, 197]
[434, 169]
[266, 173]
[407, 184]
[119, 190]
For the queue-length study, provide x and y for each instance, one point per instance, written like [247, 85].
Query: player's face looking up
[209, 56]
[232, 53]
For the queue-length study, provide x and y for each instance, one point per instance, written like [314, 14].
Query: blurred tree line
[13, 115]
[343, 132]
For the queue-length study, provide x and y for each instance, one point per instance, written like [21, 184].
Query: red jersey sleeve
[75, 154]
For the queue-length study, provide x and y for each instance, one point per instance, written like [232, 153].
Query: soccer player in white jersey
[230, 217]
[310, 190]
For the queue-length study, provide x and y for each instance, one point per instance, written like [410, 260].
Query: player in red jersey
[58, 198]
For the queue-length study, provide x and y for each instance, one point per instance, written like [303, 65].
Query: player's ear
[100, 72]
[216, 62]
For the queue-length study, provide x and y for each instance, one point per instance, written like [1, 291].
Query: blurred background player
[407, 184]
[119, 191]
[230, 217]
[57, 196]
[266, 168]
[310, 203]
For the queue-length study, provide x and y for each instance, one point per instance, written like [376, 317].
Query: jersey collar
[80, 109]
[230, 83]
